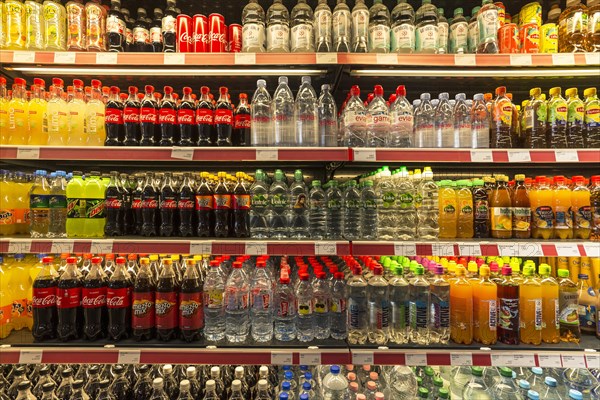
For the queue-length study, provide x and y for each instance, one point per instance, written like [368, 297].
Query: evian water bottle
[301, 37]
[253, 30]
[378, 120]
[402, 121]
[278, 28]
[354, 120]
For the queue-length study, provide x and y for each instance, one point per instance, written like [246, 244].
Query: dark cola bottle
[223, 118]
[141, 33]
[191, 308]
[118, 302]
[157, 131]
[44, 302]
[142, 390]
[241, 122]
[142, 310]
[204, 207]
[120, 388]
[113, 118]
[205, 114]
[149, 206]
[68, 302]
[241, 207]
[222, 201]
[156, 31]
[131, 118]
[185, 206]
[113, 206]
[148, 117]
[115, 27]
[167, 206]
[167, 302]
[167, 115]
[169, 28]
[95, 314]
[128, 186]
[186, 115]
[128, 46]
[136, 206]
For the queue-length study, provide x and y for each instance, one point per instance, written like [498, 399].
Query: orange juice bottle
[485, 310]
[574, 267]
[530, 309]
[461, 308]
[38, 122]
[521, 210]
[580, 203]
[448, 218]
[550, 308]
[500, 209]
[3, 112]
[563, 228]
[541, 200]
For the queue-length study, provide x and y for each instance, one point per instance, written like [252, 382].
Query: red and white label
[149, 203]
[223, 117]
[44, 297]
[118, 297]
[93, 297]
[131, 115]
[242, 121]
[185, 116]
[148, 114]
[113, 116]
[167, 116]
[68, 298]
[112, 203]
[204, 116]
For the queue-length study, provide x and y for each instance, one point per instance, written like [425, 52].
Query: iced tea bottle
[575, 117]
[481, 210]
[485, 309]
[521, 210]
[502, 120]
[595, 207]
[591, 118]
[563, 228]
[535, 115]
[508, 308]
[556, 130]
[500, 209]
[530, 308]
[572, 27]
[461, 308]
[550, 306]
[541, 199]
[569, 304]
[581, 209]
[587, 305]
[447, 205]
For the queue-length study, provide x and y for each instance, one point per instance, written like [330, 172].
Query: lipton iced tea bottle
[556, 132]
[595, 207]
[563, 228]
[569, 304]
[530, 308]
[550, 306]
[592, 118]
[481, 208]
[572, 27]
[500, 209]
[502, 116]
[575, 117]
[535, 115]
[448, 215]
[521, 210]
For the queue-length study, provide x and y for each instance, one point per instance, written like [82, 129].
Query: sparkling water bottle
[357, 307]
[323, 21]
[305, 115]
[355, 120]
[284, 303]
[337, 307]
[327, 118]
[480, 123]
[424, 117]
[261, 129]
[426, 32]
[342, 27]
[261, 312]
[259, 192]
[462, 122]
[299, 224]
[378, 120]
[378, 304]
[321, 300]
[368, 212]
[335, 213]
[406, 224]
[360, 27]
[419, 308]
[379, 28]
[443, 28]
[305, 318]
[253, 30]
[214, 308]
[278, 201]
[403, 28]
[386, 206]
[427, 207]
[335, 385]
[401, 121]
[352, 212]
[302, 34]
[278, 28]
[282, 110]
[318, 211]
[444, 123]
[237, 293]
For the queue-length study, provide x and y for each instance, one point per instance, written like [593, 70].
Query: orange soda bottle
[530, 308]
[580, 204]
[550, 308]
[461, 308]
[485, 309]
[561, 199]
[541, 200]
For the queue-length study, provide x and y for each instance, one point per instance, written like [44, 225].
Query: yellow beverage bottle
[14, 11]
[530, 309]
[574, 267]
[55, 26]
[550, 306]
[58, 118]
[541, 200]
[3, 111]
[18, 127]
[595, 261]
[448, 218]
[501, 209]
[464, 198]
[94, 117]
[6, 300]
[38, 122]
[563, 228]
[572, 27]
[581, 206]
[485, 310]
[19, 283]
[568, 301]
[562, 262]
[7, 205]
[76, 106]
[461, 308]
[34, 25]
[22, 188]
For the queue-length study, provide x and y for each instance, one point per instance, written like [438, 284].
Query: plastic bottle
[465, 210]
[58, 120]
[488, 23]
[379, 28]
[354, 120]
[508, 303]
[401, 120]
[535, 114]
[368, 212]
[39, 203]
[335, 385]
[305, 330]
[463, 136]
[261, 311]
[502, 115]
[38, 122]
[321, 301]
[581, 209]
[214, 306]
[284, 315]
[501, 209]
[352, 224]
[575, 117]
[237, 323]
[283, 114]
[322, 27]
[342, 27]
[278, 28]
[562, 206]
[55, 26]
[253, 30]
[15, 20]
[403, 28]
[95, 117]
[299, 212]
[592, 118]
[378, 307]
[444, 123]
[505, 388]
[18, 112]
[278, 200]
[223, 205]
[572, 28]
[94, 196]
[426, 32]
[317, 211]
[480, 123]
[406, 219]
[473, 35]
[306, 115]
[399, 306]
[426, 202]
[557, 120]
[335, 212]
[587, 305]
[530, 309]
[419, 308]
[301, 32]
[448, 220]
[378, 120]
[76, 115]
[440, 300]
[569, 304]
[386, 206]
[327, 118]
[459, 33]
[57, 203]
[357, 307]
[360, 27]
[521, 209]
[259, 194]
[443, 28]
[424, 123]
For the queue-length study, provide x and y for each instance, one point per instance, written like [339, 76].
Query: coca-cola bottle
[156, 31]
[222, 206]
[148, 117]
[136, 205]
[169, 29]
[149, 206]
[93, 293]
[118, 302]
[141, 34]
[185, 206]
[168, 206]
[167, 116]
[128, 45]
[205, 118]
[113, 206]
[142, 316]
[204, 207]
[167, 302]
[185, 118]
[241, 122]
[44, 302]
[241, 207]
[113, 118]
[68, 302]
[115, 27]
[191, 308]
[131, 118]
[223, 118]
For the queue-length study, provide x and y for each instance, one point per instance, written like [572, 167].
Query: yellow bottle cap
[545, 269]
[571, 92]
[534, 92]
[555, 91]
[589, 92]
[472, 266]
[460, 271]
[484, 270]
[144, 260]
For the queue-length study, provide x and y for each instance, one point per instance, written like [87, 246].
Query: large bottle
[508, 303]
[443, 30]
[327, 118]
[424, 123]
[379, 28]
[39, 199]
[302, 33]
[461, 308]
[224, 118]
[572, 27]
[261, 124]
[463, 137]
[186, 119]
[58, 206]
[95, 117]
[357, 307]
[43, 301]
[253, 30]
[167, 117]
[68, 302]
[488, 23]
[115, 27]
[354, 119]
[34, 24]
[317, 211]
[143, 324]
[502, 120]
[342, 27]
[401, 121]
[335, 216]
[169, 28]
[485, 308]
[55, 26]
[535, 116]
[444, 122]
[426, 31]
[282, 109]
[205, 118]
[556, 133]
[426, 202]
[76, 111]
[360, 27]
[419, 308]
[284, 301]
[278, 28]
[14, 30]
[214, 307]
[406, 224]
[323, 27]
[222, 205]
[278, 207]
[368, 212]
[387, 206]
[459, 33]
[575, 117]
[305, 115]
[352, 229]
[305, 329]
[18, 112]
[403, 28]
[592, 118]
[259, 197]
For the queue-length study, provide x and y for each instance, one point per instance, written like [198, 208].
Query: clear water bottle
[550, 390]
[424, 128]
[427, 207]
[462, 122]
[323, 27]
[378, 120]
[386, 206]
[378, 304]
[335, 212]
[342, 27]
[403, 28]
[379, 28]
[284, 303]
[399, 304]
[318, 211]
[327, 117]
[355, 120]
[443, 28]
[337, 307]
[480, 123]
[58, 206]
[419, 308]
[278, 28]
[403, 383]
[352, 212]
[505, 388]
[282, 110]
[214, 308]
[39, 199]
[426, 32]
[253, 30]
[278, 200]
[302, 33]
[305, 317]
[237, 293]
[406, 224]
[401, 121]
[439, 329]
[321, 301]
[259, 192]
[368, 212]
[476, 388]
[305, 115]
[261, 129]
[357, 307]
[335, 385]
[298, 219]
[444, 122]
[261, 311]
[360, 27]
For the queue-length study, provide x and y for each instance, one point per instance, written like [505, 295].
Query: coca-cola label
[168, 24]
[148, 115]
[185, 204]
[93, 297]
[242, 121]
[167, 116]
[113, 203]
[166, 310]
[223, 116]
[191, 311]
[136, 204]
[184, 37]
[168, 202]
[142, 310]
[185, 116]
[113, 116]
[204, 116]
[155, 35]
[241, 202]
[44, 297]
[149, 203]
[141, 35]
[131, 115]
[222, 201]
[115, 25]
[118, 297]
[204, 202]
[68, 298]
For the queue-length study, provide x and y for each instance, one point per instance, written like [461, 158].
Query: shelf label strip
[415, 359]
[363, 358]
[28, 153]
[245, 58]
[24, 57]
[174, 59]
[325, 248]
[482, 156]
[30, 356]
[566, 156]
[104, 246]
[310, 358]
[282, 358]
[405, 249]
[129, 357]
[200, 247]
[64, 57]
[549, 361]
[19, 246]
[461, 359]
[182, 153]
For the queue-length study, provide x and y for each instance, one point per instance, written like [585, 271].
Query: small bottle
[379, 28]
[302, 30]
[426, 32]
[360, 27]
[502, 120]
[403, 28]
[443, 28]
[459, 33]
[342, 27]
[489, 23]
[508, 299]
[305, 317]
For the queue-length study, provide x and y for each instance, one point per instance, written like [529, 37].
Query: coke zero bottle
[44, 302]
[167, 116]
[185, 118]
[185, 206]
[205, 118]
[95, 314]
[241, 207]
[136, 206]
[68, 302]
[223, 118]
[142, 316]
[167, 302]
[131, 118]
[191, 308]
[205, 207]
[169, 29]
[115, 27]
[141, 34]
[168, 206]
[118, 302]
[113, 118]
[222, 206]
[148, 117]
[149, 206]
[113, 206]
[241, 122]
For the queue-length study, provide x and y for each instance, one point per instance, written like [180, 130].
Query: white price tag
[405, 249]
[16, 246]
[106, 58]
[266, 154]
[461, 359]
[64, 57]
[182, 153]
[573, 361]
[592, 249]
[563, 59]
[104, 246]
[24, 57]
[30, 357]
[325, 248]
[592, 58]
[520, 59]
[567, 250]
[62, 246]
[465, 60]
[387, 59]
[513, 360]
[519, 156]
[508, 249]
[28, 153]
[593, 360]
[566, 155]
[365, 155]
[415, 359]
[550, 360]
[310, 358]
[245, 58]
[363, 358]
[256, 248]
[281, 358]
[129, 357]
[469, 249]
[327, 58]
[200, 247]
[530, 250]
[482, 156]
[443, 249]
[174, 59]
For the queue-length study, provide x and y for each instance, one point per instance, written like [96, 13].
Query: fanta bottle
[18, 127]
[94, 192]
[38, 122]
[3, 112]
[94, 116]
[6, 300]
[448, 219]
[563, 228]
[541, 200]
[580, 205]
[75, 206]
[22, 186]
[7, 206]
[19, 283]
[58, 118]
[77, 116]
[15, 24]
